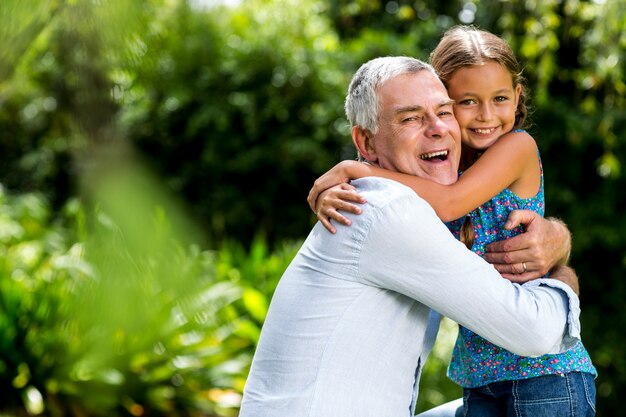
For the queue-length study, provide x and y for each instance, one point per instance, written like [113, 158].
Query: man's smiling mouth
[440, 155]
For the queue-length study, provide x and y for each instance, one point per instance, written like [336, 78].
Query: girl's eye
[501, 98]
[467, 102]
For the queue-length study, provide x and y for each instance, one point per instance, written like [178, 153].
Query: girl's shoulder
[518, 138]
[517, 134]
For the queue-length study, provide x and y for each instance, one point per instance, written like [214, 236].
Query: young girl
[501, 172]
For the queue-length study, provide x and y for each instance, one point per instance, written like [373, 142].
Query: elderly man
[350, 324]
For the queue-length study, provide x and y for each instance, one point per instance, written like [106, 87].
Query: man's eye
[412, 119]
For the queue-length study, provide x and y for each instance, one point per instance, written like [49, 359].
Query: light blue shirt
[350, 324]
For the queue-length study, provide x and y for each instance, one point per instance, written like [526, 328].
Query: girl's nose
[485, 112]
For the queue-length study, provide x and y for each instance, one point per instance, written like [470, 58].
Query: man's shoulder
[381, 191]
[390, 204]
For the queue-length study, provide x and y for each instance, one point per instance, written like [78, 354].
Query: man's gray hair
[362, 101]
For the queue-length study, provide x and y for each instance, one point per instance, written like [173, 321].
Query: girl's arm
[511, 162]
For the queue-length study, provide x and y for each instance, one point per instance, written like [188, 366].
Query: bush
[114, 310]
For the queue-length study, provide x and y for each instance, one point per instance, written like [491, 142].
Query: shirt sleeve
[407, 249]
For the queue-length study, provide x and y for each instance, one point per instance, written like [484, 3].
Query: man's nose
[437, 128]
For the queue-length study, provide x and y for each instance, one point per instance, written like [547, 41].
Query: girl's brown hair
[462, 46]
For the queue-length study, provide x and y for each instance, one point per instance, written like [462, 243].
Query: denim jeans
[562, 395]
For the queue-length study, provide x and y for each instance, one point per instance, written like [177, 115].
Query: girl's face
[486, 101]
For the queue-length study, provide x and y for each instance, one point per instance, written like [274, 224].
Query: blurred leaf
[256, 303]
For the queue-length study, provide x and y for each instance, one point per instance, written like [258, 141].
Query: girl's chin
[480, 145]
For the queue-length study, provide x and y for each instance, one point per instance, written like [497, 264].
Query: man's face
[417, 131]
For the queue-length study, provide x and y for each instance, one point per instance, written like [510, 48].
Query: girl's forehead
[489, 73]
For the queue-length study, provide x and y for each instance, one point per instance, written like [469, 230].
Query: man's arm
[545, 244]
[408, 250]
[566, 275]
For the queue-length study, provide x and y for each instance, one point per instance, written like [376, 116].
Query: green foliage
[232, 90]
[135, 319]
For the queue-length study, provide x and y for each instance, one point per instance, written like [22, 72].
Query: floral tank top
[476, 361]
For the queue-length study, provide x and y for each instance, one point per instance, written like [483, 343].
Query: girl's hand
[336, 175]
[339, 197]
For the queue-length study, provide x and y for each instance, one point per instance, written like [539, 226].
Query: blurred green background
[155, 159]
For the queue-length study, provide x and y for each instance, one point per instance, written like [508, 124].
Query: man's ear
[364, 143]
